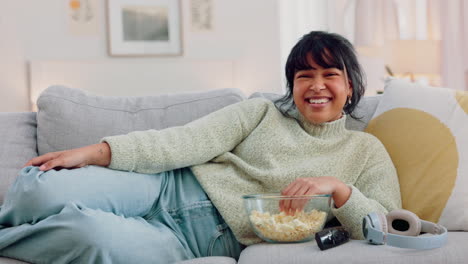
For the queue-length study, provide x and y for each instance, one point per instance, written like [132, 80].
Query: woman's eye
[331, 74]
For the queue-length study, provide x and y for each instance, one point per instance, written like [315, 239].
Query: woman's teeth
[319, 101]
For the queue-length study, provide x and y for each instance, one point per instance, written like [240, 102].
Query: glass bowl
[277, 218]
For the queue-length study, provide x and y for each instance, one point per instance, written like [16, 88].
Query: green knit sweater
[250, 147]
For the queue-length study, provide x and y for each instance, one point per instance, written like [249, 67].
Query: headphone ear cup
[404, 217]
[383, 223]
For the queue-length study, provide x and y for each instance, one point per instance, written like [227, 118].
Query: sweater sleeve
[154, 151]
[375, 190]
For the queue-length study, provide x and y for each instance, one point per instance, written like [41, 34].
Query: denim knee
[31, 198]
[86, 236]
[102, 237]
[89, 229]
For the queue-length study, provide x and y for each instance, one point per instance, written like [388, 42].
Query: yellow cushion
[425, 131]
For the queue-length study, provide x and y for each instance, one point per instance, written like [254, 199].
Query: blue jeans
[98, 215]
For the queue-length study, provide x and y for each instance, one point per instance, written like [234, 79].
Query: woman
[175, 194]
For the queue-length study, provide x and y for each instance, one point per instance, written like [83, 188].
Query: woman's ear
[350, 89]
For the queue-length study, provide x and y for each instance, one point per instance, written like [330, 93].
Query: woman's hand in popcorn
[97, 154]
[314, 186]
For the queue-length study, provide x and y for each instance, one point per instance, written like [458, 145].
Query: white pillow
[425, 131]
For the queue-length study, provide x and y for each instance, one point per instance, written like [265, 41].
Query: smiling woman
[321, 93]
[156, 181]
[324, 78]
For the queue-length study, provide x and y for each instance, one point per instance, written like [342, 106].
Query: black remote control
[331, 237]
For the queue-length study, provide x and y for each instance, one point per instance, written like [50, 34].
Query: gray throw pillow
[18, 141]
[70, 118]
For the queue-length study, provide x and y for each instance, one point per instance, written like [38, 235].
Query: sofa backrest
[70, 118]
[363, 112]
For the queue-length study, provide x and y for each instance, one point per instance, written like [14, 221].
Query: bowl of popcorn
[278, 218]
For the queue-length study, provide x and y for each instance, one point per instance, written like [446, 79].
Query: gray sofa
[69, 118]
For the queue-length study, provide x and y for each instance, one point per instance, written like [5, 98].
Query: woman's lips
[322, 100]
[318, 102]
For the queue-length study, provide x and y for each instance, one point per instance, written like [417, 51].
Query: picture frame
[144, 27]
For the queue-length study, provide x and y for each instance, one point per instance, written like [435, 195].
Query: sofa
[69, 118]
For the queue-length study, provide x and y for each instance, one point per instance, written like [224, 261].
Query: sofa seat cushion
[356, 251]
[70, 118]
[11, 261]
[205, 260]
[208, 260]
[18, 145]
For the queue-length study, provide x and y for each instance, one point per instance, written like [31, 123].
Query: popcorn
[288, 228]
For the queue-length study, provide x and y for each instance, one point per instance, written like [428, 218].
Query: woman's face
[321, 93]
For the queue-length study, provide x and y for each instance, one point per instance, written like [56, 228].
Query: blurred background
[212, 44]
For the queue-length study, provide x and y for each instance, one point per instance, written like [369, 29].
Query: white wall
[244, 31]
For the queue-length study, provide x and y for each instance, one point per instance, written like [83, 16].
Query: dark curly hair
[328, 50]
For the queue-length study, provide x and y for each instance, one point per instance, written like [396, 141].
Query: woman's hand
[97, 154]
[314, 186]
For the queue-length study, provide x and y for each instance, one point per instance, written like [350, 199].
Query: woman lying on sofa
[175, 194]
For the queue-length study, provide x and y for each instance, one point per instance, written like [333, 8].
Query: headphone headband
[372, 229]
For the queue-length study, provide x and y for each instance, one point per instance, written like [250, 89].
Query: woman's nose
[317, 86]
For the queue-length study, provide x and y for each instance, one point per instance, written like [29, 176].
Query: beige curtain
[454, 28]
[376, 27]
[375, 22]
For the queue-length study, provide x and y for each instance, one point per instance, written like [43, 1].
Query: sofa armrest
[18, 145]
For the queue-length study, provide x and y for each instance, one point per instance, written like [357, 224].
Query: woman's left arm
[375, 190]
[312, 186]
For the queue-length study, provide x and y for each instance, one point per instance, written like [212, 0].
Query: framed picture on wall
[144, 27]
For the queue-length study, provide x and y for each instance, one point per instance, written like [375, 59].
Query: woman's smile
[318, 101]
[320, 93]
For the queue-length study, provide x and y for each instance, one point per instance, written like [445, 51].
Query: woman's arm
[315, 185]
[154, 151]
[97, 154]
[195, 143]
[376, 190]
